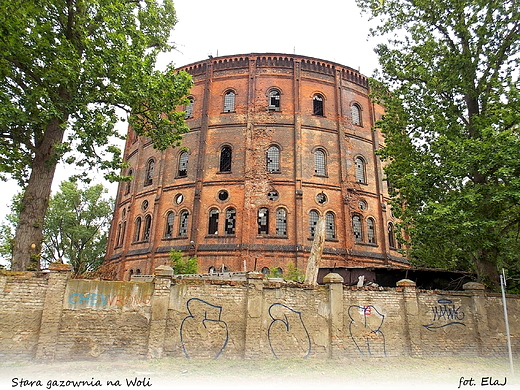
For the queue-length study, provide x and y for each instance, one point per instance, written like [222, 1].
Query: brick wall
[50, 316]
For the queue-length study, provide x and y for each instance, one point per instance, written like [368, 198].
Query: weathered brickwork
[52, 317]
[253, 174]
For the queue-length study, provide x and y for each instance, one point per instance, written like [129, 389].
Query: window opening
[321, 198]
[129, 182]
[189, 108]
[313, 220]
[273, 195]
[357, 228]
[391, 236]
[330, 226]
[213, 222]
[360, 170]
[273, 159]
[229, 101]
[371, 231]
[356, 114]
[274, 100]
[230, 220]
[183, 164]
[148, 180]
[266, 271]
[225, 159]
[319, 163]
[137, 229]
[317, 105]
[147, 227]
[183, 225]
[263, 221]
[168, 233]
[281, 222]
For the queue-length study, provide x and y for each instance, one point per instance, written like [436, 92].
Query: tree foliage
[67, 66]
[449, 84]
[182, 265]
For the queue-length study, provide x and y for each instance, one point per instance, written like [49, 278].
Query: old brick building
[276, 141]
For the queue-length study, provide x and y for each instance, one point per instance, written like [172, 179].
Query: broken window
[129, 182]
[330, 226]
[274, 100]
[273, 159]
[189, 108]
[355, 112]
[147, 227]
[281, 222]
[148, 179]
[263, 221]
[231, 217]
[229, 101]
[213, 222]
[319, 163]
[371, 231]
[317, 105]
[357, 228]
[360, 170]
[168, 231]
[225, 159]
[137, 234]
[183, 225]
[313, 220]
[183, 165]
[391, 236]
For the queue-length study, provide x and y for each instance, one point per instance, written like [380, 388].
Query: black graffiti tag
[446, 312]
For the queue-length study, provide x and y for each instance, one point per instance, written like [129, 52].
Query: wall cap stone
[163, 270]
[60, 267]
[406, 283]
[333, 278]
[255, 275]
[473, 286]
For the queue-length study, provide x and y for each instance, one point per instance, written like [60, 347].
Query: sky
[332, 30]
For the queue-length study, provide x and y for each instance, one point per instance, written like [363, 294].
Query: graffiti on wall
[445, 313]
[287, 333]
[365, 330]
[203, 329]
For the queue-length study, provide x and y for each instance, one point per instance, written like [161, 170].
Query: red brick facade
[275, 142]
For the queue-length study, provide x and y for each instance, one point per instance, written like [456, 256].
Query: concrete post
[52, 311]
[478, 303]
[411, 312]
[336, 325]
[254, 335]
[159, 312]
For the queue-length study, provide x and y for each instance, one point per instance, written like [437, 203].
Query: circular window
[321, 198]
[273, 195]
[144, 205]
[179, 198]
[363, 205]
[223, 195]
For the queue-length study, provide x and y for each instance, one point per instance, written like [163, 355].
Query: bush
[182, 265]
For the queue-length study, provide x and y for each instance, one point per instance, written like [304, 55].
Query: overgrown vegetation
[182, 264]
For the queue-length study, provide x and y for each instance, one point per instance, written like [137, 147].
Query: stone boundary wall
[53, 317]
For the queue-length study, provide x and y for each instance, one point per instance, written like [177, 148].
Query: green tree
[449, 84]
[182, 265]
[67, 66]
[76, 227]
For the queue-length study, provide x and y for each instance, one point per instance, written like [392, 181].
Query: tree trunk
[29, 232]
[313, 263]
[487, 271]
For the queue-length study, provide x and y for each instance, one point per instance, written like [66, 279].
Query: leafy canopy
[78, 62]
[449, 85]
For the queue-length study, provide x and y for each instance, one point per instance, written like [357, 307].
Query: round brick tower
[276, 141]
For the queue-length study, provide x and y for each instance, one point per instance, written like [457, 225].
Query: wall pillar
[411, 312]
[254, 308]
[52, 311]
[159, 312]
[478, 309]
[336, 324]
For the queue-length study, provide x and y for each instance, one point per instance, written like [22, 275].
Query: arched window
[231, 217]
[183, 224]
[391, 235]
[266, 271]
[118, 236]
[225, 159]
[330, 226]
[274, 100]
[183, 165]
[371, 231]
[168, 231]
[137, 232]
[129, 182]
[281, 222]
[263, 221]
[148, 178]
[123, 232]
[147, 227]
[360, 170]
[189, 108]
[313, 220]
[213, 221]
[229, 101]
[273, 159]
[355, 112]
[320, 164]
[357, 228]
[317, 105]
